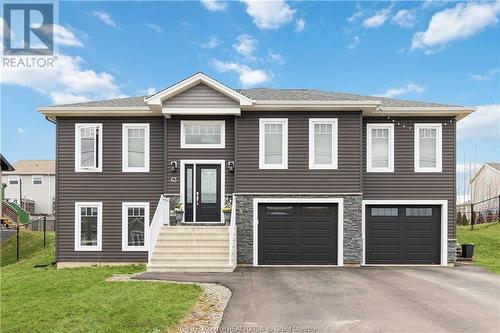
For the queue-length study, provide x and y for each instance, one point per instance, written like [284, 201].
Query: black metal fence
[33, 235]
[484, 211]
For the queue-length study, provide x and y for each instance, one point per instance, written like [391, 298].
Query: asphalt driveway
[368, 299]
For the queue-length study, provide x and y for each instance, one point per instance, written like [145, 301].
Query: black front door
[208, 193]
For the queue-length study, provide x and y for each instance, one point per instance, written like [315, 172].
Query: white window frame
[284, 143]
[33, 180]
[312, 157]
[78, 226]
[125, 207]
[439, 147]
[78, 167]
[221, 123]
[16, 178]
[369, 127]
[125, 128]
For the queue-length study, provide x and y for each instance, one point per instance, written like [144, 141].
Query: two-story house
[314, 177]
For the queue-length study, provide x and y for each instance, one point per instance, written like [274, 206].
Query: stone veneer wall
[353, 243]
[452, 250]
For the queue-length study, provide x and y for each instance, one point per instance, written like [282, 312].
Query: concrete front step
[167, 257]
[212, 237]
[194, 229]
[192, 250]
[157, 268]
[170, 243]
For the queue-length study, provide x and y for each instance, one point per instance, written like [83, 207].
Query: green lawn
[486, 240]
[30, 242]
[80, 300]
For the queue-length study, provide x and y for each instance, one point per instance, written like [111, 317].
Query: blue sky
[446, 52]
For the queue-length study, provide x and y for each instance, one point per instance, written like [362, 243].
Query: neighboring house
[484, 190]
[33, 184]
[316, 178]
[5, 166]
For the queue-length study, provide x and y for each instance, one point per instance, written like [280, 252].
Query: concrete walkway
[370, 299]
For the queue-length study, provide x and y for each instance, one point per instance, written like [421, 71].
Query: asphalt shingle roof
[266, 94]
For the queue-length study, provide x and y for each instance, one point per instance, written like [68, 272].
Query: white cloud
[353, 43]
[484, 77]
[20, 130]
[300, 25]
[66, 82]
[246, 45]
[357, 14]
[269, 14]
[378, 19]
[149, 91]
[247, 76]
[155, 27]
[64, 36]
[212, 43]
[275, 57]
[405, 18]
[459, 22]
[409, 88]
[484, 123]
[105, 18]
[214, 5]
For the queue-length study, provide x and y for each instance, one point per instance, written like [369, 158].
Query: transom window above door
[203, 134]
[273, 143]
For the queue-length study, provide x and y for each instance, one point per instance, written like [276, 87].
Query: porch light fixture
[173, 166]
[230, 166]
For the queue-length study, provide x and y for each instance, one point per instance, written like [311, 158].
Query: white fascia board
[301, 105]
[419, 111]
[201, 111]
[159, 97]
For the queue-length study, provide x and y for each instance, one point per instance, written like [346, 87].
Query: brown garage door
[297, 234]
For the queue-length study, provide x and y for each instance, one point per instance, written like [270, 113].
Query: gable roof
[262, 99]
[495, 166]
[34, 167]
[6, 166]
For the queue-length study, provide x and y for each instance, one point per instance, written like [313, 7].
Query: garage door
[297, 234]
[403, 234]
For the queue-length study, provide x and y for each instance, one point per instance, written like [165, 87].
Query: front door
[204, 203]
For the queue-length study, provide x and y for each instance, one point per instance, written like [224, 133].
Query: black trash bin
[467, 250]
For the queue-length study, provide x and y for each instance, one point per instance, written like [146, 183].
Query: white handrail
[232, 226]
[160, 217]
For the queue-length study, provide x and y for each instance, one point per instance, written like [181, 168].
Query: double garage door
[297, 234]
[306, 234]
[403, 234]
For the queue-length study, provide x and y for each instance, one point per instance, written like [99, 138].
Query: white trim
[444, 222]
[168, 111]
[329, 121]
[220, 123]
[78, 168]
[222, 164]
[369, 127]
[16, 178]
[159, 97]
[125, 128]
[33, 180]
[78, 246]
[284, 143]
[340, 222]
[439, 147]
[125, 206]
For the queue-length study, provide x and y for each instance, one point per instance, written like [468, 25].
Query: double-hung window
[135, 226]
[428, 147]
[37, 180]
[273, 143]
[88, 147]
[135, 147]
[88, 226]
[322, 143]
[203, 134]
[380, 147]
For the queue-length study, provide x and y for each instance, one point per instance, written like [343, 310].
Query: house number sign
[172, 179]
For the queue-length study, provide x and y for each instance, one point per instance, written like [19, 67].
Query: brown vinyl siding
[111, 186]
[405, 183]
[200, 96]
[176, 153]
[298, 178]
